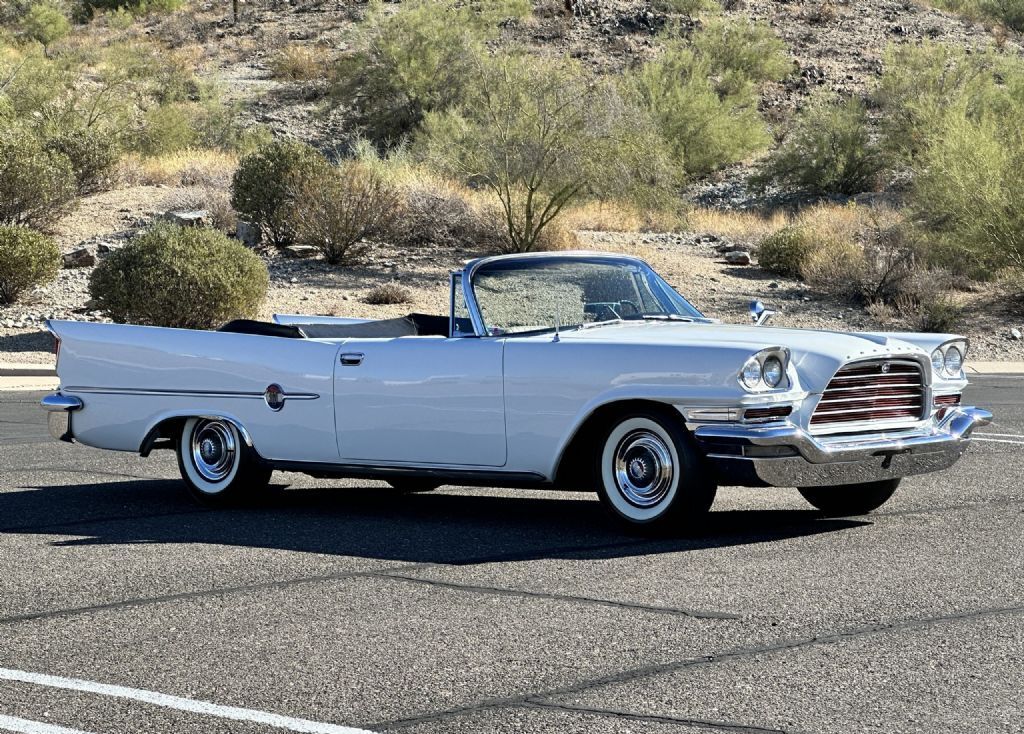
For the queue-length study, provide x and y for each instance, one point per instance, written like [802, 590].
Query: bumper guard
[59, 409]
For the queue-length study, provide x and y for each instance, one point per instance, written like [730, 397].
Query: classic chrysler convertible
[568, 370]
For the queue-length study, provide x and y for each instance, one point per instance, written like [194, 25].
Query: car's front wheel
[217, 465]
[650, 475]
[850, 499]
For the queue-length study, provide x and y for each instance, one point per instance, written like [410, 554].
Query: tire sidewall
[201, 486]
[610, 493]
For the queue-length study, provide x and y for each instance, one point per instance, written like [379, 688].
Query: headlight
[938, 361]
[751, 374]
[772, 371]
[954, 360]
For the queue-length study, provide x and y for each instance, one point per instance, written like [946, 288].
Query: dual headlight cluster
[765, 370]
[948, 360]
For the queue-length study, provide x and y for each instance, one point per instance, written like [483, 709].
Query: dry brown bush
[337, 209]
[300, 63]
[387, 294]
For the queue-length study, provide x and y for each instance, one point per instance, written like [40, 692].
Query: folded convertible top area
[415, 324]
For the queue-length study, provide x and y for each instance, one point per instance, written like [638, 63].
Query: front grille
[877, 391]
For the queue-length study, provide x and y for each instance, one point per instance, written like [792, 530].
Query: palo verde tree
[541, 133]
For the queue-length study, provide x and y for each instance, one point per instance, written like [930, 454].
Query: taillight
[56, 348]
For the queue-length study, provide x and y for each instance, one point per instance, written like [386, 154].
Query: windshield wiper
[660, 317]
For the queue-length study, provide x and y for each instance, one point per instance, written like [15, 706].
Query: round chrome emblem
[274, 397]
[885, 368]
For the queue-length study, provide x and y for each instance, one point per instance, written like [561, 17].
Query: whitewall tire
[216, 464]
[650, 476]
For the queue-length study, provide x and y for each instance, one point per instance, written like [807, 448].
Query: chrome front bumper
[785, 455]
[59, 409]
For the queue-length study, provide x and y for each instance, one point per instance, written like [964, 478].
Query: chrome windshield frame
[469, 271]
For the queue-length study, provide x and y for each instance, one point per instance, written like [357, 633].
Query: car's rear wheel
[850, 499]
[650, 475]
[218, 467]
[413, 484]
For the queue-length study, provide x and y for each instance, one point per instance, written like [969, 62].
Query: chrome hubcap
[213, 449]
[643, 468]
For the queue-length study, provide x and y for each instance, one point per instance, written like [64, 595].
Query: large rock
[248, 233]
[739, 257]
[301, 251]
[197, 218]
[83, 257]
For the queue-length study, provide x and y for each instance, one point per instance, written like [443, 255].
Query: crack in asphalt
[188, 595]
[658, 719]
[505, 591]
[650, 671]
[395, 573]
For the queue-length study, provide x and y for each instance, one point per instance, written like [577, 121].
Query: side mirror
[759, 314]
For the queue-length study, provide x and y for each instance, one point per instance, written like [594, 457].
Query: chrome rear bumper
[59, 409]
[785, 455]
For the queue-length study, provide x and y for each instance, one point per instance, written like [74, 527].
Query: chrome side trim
[185, 393]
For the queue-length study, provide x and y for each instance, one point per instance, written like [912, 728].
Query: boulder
[197, 218]
[248, 233]
[83, 257]
[738, 257]
[300, 251]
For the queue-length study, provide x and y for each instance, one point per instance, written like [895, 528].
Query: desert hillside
[858, 165]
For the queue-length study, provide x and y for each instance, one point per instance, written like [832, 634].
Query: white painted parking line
[998, 440]
[24, 726]
[1003, 435]
[175, 702]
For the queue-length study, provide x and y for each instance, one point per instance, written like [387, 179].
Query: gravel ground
[689, 261]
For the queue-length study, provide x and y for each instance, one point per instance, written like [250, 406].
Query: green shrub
[27, 259]
[741, 54]
[37, 186]
[967, 193]
[828, 151]
[93, 153]
[192, 278]
[45, 22]
[785, 251]
[262, 185]
[920, 84]
[1007, 12]
[688, 8]
[418, 59]
[538, 134]
[704, 95]
[335, 210]
[136, 7]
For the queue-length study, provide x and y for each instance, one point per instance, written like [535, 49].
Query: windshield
[535, 294]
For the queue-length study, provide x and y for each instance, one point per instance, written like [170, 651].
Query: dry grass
[616, 216]
[739, 226]
[300, 63]
[212, 168]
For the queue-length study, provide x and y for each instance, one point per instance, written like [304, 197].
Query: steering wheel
[634, 308]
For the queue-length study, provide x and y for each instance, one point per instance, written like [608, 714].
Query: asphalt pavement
[341, 606]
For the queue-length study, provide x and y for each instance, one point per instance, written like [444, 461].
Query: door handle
[351, 359]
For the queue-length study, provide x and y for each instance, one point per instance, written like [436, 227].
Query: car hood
[816, 354]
